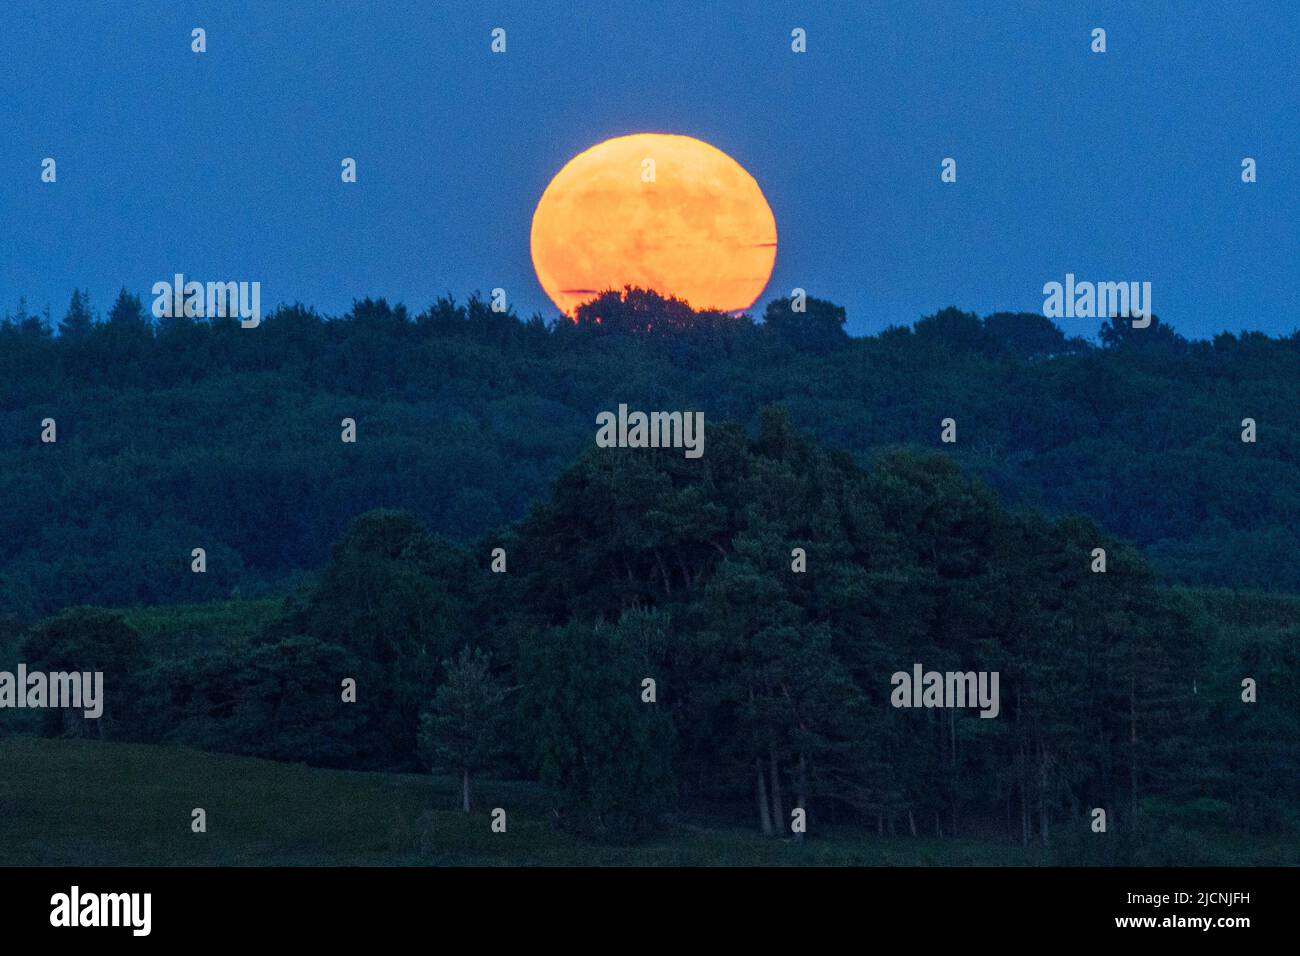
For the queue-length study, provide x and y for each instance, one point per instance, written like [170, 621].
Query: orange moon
[658, 211]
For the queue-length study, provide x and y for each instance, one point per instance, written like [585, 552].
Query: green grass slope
[79, 802]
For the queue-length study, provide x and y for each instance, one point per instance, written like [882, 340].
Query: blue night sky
[1116, 167]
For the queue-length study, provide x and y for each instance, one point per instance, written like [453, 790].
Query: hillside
[192, 434]
[664, 637]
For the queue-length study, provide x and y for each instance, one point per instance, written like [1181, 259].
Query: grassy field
[73, 802]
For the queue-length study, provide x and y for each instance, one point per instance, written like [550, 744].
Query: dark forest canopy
[181, 433]
[773, 684]
[772, 676]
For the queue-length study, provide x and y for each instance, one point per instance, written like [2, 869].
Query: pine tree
[463, 730]
[77, 322]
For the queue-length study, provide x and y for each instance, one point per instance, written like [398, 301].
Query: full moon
[658, 211]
